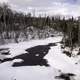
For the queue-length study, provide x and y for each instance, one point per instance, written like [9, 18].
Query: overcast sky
[50, 7]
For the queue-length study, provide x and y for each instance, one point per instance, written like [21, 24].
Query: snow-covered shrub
[28, 34]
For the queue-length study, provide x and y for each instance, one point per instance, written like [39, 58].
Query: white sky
[50, 7]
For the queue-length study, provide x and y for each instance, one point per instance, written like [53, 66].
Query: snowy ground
[59, 63]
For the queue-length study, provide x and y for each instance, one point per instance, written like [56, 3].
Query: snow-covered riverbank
[59, 63]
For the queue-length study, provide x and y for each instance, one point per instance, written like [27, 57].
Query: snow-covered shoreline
[59, 63]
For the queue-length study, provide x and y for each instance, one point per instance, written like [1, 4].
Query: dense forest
[15, 24]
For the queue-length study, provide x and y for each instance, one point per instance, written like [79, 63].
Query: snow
[19, 48]
[17, 60]
[56, 59]
[27, 73]
[61, 61]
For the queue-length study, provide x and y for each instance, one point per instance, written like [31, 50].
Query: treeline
[13, 23]
[12, 20]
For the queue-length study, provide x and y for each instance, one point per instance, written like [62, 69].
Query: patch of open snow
[17, 60]
[59, 60]
[27, 73]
